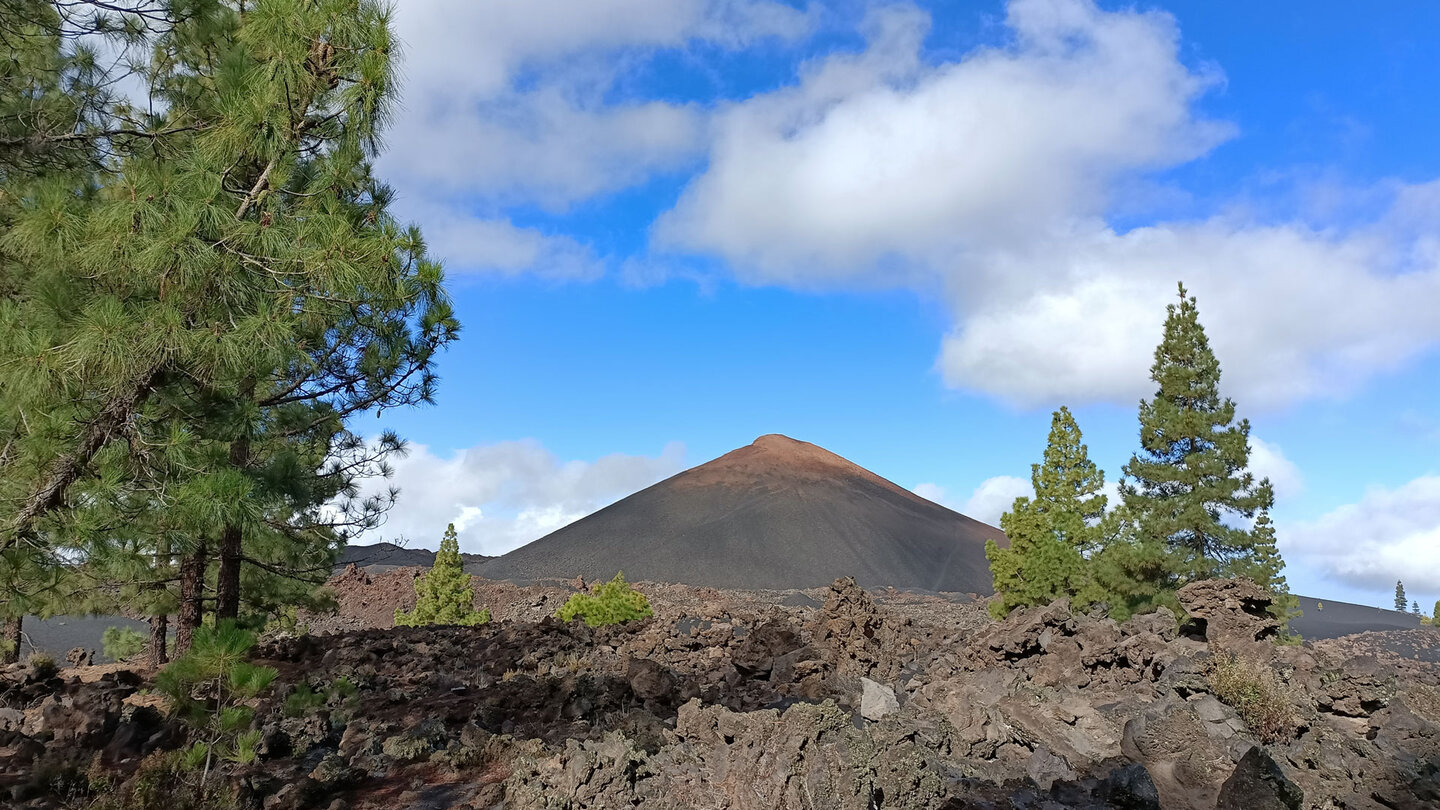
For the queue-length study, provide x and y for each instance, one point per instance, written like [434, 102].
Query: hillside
[775, 514]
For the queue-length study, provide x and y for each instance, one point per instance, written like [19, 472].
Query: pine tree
[1400, 599]
[1191, 472]
[445, 594]
[1051, 534]
[198, 298]
[1415, 607]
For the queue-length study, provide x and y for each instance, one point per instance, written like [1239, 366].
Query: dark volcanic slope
[776, 514]
[1322, 618]
[386, 556]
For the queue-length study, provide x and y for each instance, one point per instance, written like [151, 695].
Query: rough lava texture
[743, 701]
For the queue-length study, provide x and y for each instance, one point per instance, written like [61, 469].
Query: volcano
[776, 514]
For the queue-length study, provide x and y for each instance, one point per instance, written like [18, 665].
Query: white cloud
[471, 244]
[987, 503]
[508, 100]
[991, 177]
[504, 495]
[1268, 461]
[877, 156]
[1389, 535]
[543, 146]
[1292, 313]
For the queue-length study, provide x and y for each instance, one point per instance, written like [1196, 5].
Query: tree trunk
[192, 592]
[227, 580]
[155, 656]
[66, 469]
[12, 628]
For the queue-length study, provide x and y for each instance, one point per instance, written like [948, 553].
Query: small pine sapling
[614, 602]
[444, 595]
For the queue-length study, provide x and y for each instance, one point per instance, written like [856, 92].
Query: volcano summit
[776, 514]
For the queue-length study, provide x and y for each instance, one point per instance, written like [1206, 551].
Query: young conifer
[1051, 534]
[1191, 472]
[444, 595]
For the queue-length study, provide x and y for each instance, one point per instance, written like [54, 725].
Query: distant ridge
[775, 514]
[385, 556]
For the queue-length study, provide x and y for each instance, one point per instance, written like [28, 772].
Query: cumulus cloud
[987, 503]
[1292, 313]
[509, 101]
[1268, 461]
[876, 155]
[990, 178]
[501, 496]
[541, 146]
[1389, 535]
[495, 246]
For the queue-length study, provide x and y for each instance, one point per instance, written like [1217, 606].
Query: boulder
[1257, 783]
[1233, 615]
[876, 700]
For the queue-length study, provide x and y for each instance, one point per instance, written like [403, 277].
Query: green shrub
[208, 687]
[1256, 693]
[445, 594]
[302, 700]
[42, 665]
[246, 748]
[120, 643]
[612, 603]
[342, 688]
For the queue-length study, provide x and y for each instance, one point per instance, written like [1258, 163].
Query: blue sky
[908, 232]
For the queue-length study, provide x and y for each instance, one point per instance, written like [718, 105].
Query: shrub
[444, 595]
[612, 603]
[42, 665]
[302, 700]
[120, 643]
[208, 687]
[1256, 693]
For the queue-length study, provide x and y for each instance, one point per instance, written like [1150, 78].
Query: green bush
[42, 665]
[1256, 693]
[444, 595]
[209, 686]
[302, 700]
[120, 643]
[612, 603]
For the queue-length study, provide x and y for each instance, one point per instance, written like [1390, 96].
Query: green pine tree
[445, 595]
[1191, 474]
[1052, 534]
[198, 297]
[613, 602]
[1400, 600]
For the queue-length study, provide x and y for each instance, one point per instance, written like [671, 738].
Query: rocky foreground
[907, 702]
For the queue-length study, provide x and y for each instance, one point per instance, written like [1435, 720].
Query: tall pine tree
[1051, 534]
[1400, 599]
[1189, 489]
[200, 294]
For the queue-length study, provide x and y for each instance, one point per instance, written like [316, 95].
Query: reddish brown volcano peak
[770, 460]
